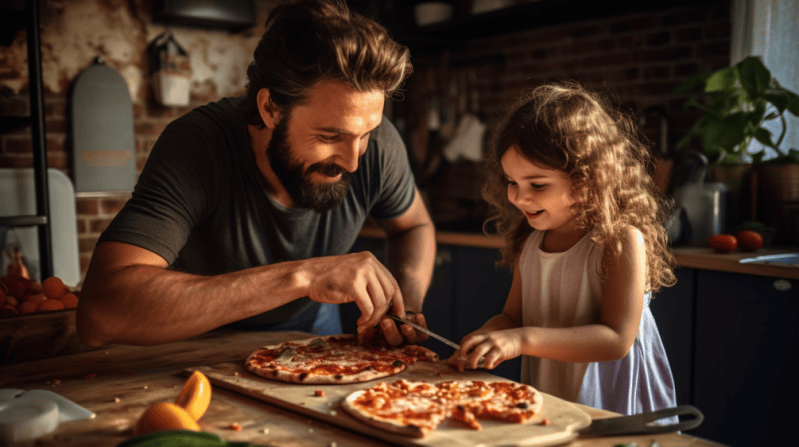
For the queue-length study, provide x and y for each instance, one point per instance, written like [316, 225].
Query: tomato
[749, 240]
[723, 243]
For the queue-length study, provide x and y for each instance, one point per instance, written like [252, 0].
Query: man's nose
[349, 154]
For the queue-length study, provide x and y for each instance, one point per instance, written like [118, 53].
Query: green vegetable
[180, 438]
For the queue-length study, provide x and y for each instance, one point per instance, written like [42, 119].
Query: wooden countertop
[688, 257]
[119, 382]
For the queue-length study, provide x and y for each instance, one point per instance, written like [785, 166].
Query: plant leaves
[780, 98]
[692, 83]
[722, 80]
[754, 76]
[793, 104]
[764, 136]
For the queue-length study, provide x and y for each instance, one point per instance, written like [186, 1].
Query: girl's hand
[492, 348]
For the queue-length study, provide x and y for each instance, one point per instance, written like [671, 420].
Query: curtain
[770, 29]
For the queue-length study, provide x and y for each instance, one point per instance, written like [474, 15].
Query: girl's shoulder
[631, 243]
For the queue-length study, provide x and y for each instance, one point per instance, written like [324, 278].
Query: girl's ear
[267, 109]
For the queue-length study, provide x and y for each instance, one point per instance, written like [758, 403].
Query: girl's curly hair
[565, 126]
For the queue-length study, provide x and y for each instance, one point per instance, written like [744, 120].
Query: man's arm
[411, 256]
[130, 297]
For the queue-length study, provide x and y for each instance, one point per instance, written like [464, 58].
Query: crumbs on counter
[89, 376]
[319, 393]
[234, 426]
[117, 400]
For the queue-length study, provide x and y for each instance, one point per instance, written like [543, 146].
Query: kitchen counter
[687, 257]
[119, 382]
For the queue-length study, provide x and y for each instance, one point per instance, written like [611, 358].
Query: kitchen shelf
[12, 14]
[519, 17]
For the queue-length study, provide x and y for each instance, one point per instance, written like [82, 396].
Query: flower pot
[779, 197]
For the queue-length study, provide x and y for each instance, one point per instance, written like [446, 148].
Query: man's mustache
[328, 169]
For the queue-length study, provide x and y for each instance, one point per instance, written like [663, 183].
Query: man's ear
[267, 109]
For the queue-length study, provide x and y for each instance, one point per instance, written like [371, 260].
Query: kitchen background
[471, 66]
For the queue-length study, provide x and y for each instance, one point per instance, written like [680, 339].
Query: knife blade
[426, 331]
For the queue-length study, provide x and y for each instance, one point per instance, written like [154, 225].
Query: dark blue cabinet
[466, 290]
[745, 377]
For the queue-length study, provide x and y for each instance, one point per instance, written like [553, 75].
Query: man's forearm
[145, 305]
[411, 257]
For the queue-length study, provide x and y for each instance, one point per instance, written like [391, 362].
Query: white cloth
[565, 290]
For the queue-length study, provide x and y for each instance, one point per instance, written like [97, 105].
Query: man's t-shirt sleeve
[172, 194]
[397, 184]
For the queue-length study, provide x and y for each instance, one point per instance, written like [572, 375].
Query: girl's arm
[610, 339]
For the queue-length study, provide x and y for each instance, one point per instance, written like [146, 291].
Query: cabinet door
[673, 309]
[747, 341]
[481, 289]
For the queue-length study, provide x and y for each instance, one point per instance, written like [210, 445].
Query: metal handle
[644, 422]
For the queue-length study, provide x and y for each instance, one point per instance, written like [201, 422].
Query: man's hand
[359, 278]
[405, 332]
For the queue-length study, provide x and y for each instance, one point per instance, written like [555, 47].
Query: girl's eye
[538, 185]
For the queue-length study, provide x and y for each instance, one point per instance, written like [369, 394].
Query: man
[246, 209]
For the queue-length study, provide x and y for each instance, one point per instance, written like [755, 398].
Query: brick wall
[638, 59]
[119, 32]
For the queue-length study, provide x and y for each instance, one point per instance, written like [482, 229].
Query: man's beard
[302, 191]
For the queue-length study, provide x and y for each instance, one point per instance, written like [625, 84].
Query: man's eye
[328, 138]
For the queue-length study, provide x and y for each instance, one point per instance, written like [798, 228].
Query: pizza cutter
[444, 340]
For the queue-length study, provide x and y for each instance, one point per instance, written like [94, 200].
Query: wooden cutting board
[564, 418]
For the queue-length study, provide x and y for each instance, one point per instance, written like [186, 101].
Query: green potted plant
[739, 102]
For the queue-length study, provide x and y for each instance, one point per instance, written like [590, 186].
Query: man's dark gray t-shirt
[200, 203]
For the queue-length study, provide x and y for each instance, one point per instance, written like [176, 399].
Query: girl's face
[542, 194]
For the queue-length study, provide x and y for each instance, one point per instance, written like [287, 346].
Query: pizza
[416, 408]
[334, 359]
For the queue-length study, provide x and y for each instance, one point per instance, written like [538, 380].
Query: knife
[644, 423]
[426, 331]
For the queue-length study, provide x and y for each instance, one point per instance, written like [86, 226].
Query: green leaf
[722, 80]
[763, 136]
[757, 157]
[692, 83]
[793, 104]
[780, 98]
[754, 76]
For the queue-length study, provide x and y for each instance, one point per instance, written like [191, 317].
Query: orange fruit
[50, 305]
[165, 416]
[28, 307]
[38, 298]
[53, 287]
[195, 395]
[70, 300]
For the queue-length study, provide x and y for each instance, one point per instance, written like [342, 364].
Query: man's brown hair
[310, 40]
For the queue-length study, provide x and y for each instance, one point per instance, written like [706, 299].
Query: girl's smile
[542, 194]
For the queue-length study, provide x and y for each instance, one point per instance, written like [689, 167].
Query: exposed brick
[658, 39]
[688, 35]
[663, 54]
[98, 225]
[87, 206]
[635, 24]
[685, 17]
[85, 260]
[112, 205]
[586, 31]
[539, 53]
[718, 30]
[17, 145]
[686, 70]
[81, 227]
[713, 50]
[632, 41]
[86, 244]
[13, 106]
[56, 124]
[150, 127]
[657, 88]
[657, 72]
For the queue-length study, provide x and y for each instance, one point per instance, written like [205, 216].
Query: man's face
[315, 148]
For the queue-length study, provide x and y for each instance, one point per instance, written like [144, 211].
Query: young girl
[587, 251]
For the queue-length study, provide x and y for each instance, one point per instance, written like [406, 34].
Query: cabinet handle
[783, 285]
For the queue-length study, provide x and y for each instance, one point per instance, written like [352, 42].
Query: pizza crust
[334, 359]
[388, 406]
